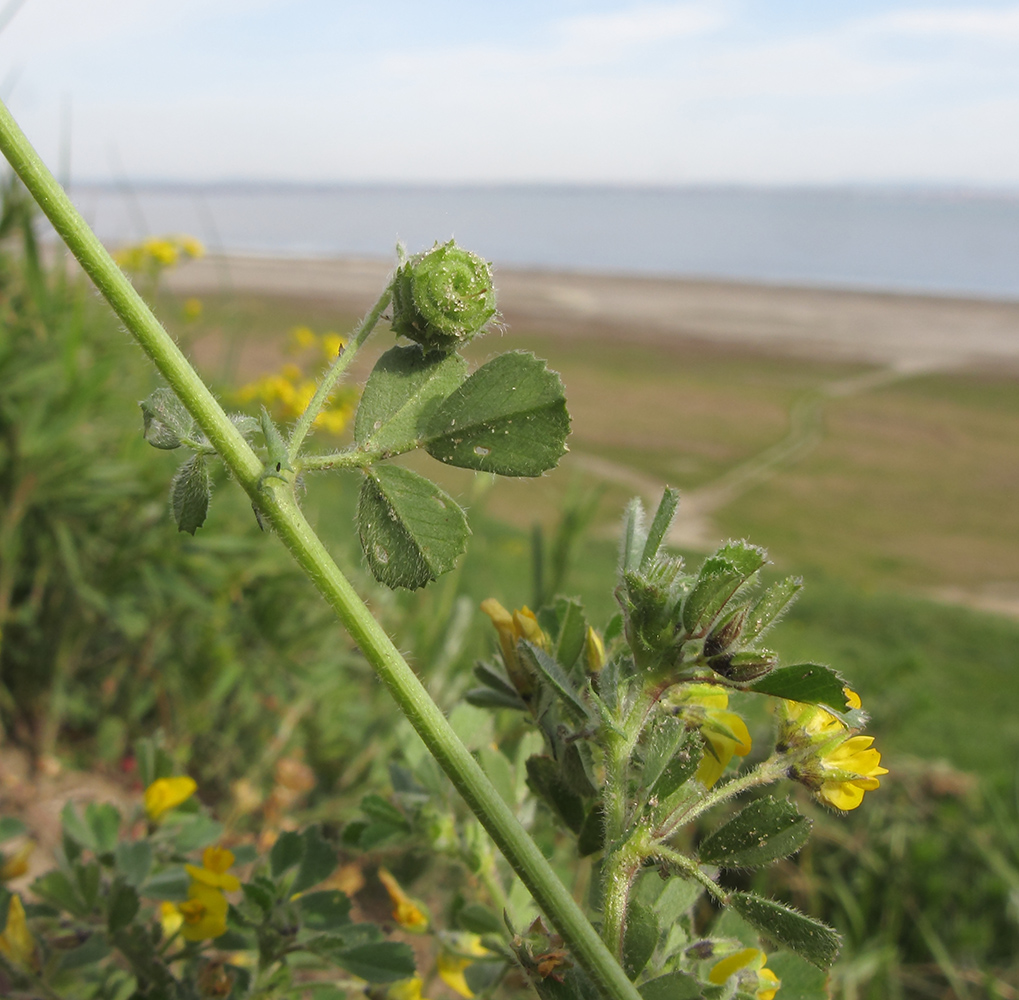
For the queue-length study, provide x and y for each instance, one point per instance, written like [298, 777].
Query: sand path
[878, 328]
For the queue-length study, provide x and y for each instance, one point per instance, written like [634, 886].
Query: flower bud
[442, 297]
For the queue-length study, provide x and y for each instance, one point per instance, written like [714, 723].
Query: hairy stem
[336, 372]
[276, 501]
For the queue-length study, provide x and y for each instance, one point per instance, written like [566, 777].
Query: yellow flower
[192, 309]
[458, 951]
[165, 794]
[215, 862]
[204, 913]
[170, 919]
[594, 651]
[843, 766]
[405, 989]
[190, 247]
[849, 770]
[749, 965]
[725, 733]
[302, 337]
[332, 345]
[512, 628]
[16, 941]
[333, 421]
[408, 913]
[17, 864]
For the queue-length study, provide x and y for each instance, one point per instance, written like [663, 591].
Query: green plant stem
[688, 867]
[765, 773]
[280, 508]
[621, 868]
[351, 458]
[336, 372]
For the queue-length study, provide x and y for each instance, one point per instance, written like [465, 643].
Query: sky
[816, 92]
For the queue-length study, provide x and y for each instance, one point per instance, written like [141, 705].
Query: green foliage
[103, 923]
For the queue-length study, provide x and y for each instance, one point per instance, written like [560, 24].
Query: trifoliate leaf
[190, 492]
[809, 938]
[402, 392]
[411, 531]
[764, 831]
[508, 417]
[166, 420]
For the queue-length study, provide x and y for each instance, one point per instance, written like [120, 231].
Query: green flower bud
[442, 297]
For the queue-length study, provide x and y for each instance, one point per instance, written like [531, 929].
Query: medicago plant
[635, 723]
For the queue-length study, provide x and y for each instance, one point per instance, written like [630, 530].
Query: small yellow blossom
[332, 345]
[215, 862]
[594, 651]
[724, 732]
[192, 309]
[512, 628]
[16, 864]
[165, 794]
[849, 770]
[408, 913]
[843, 766]
[170, 919]
[16, 941]
[405, 989]
[302, 337]
[204, 913]
[749, 965]
[458, 951]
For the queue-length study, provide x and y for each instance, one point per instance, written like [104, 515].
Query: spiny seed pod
[443, 297]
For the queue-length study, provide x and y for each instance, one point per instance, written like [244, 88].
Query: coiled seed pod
[443, 297]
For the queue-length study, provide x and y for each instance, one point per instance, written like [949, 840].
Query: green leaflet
[508, 417]
[404, 390]
[766, 830]
[411, 531]
[166, 420]
[806, 682]
[809, 938]
[190, 492]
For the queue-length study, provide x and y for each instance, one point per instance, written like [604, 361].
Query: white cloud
[982, 24]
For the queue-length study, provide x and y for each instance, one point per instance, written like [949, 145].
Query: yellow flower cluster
[203, 914]
[844, 765]
[158, 253]
[751, 974]
[706, 706]
[287, 393]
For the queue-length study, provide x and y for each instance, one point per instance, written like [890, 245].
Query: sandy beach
[905, 332]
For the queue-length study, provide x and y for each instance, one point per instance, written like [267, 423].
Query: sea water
[929, 241]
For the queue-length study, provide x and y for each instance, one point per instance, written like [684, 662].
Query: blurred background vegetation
[114, 626]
